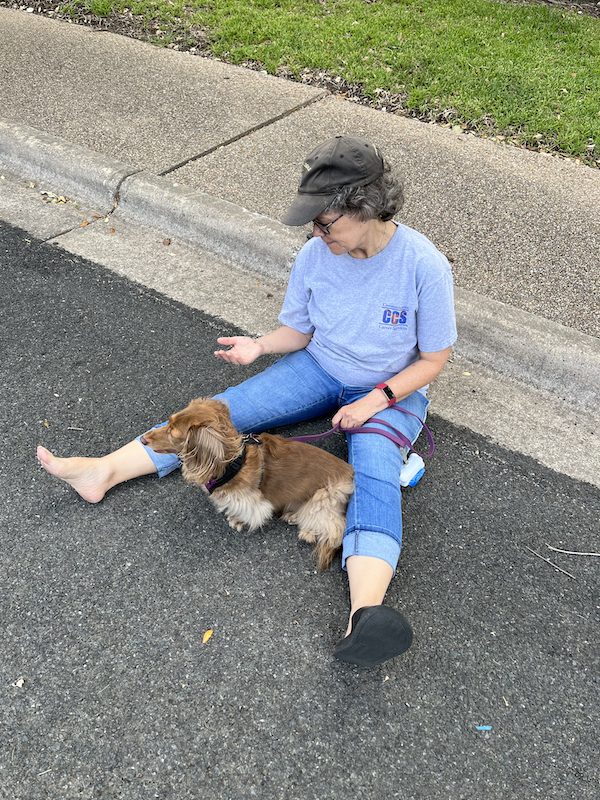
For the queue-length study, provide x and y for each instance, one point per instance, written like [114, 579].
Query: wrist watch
[390, 396]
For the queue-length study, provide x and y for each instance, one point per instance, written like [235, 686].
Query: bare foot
[88, 476]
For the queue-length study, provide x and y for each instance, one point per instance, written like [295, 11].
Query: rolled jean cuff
[371, 543]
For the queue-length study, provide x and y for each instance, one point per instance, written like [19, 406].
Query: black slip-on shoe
[378, 633]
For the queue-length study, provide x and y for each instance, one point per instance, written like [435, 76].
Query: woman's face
[347, 233]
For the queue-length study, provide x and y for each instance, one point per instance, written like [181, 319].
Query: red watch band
[390, 396]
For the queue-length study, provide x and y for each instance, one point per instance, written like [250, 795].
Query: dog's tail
[324, 553]
[327, 519]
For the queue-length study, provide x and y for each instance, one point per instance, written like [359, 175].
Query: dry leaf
[112, 230]
[207, 636]
[84, 223]
[467, 373]
[166, 241]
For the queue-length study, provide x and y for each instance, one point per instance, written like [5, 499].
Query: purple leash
[397, 436]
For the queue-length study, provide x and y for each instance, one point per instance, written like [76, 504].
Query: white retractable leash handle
[412, 470]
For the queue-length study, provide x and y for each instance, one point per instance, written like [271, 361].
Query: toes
[43, 454]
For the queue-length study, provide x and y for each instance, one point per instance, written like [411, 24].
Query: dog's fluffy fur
[299, 482]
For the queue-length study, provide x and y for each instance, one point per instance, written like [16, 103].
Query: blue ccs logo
[393, 318]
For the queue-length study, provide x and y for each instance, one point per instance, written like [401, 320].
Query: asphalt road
[107, 690]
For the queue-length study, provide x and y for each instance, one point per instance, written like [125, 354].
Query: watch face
[388, 393]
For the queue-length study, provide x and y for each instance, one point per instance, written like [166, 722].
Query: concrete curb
[533, 350]
[73, 169]
[252, 240]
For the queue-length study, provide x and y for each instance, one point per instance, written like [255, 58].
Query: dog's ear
[204, 453]
[207, 451]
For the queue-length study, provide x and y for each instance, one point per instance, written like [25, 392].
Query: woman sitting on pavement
[368, 320]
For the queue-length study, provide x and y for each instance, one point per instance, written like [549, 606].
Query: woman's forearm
[418, 374]
[414, 377]
[284, 340]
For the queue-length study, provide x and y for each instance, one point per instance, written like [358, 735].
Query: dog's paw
[235, 523]
[307, 536]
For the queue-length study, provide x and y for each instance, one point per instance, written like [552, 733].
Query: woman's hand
[356, 414]
[244, 350]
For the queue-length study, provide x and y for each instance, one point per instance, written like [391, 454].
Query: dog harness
[233, 467]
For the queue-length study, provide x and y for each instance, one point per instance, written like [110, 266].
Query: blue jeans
[296, 388]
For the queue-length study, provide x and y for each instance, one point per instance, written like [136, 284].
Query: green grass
[527, 72]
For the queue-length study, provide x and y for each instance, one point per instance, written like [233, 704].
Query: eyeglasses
[325, 228]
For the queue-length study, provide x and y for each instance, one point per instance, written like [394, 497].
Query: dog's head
[202, 436]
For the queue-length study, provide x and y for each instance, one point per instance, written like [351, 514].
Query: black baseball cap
[338, 162]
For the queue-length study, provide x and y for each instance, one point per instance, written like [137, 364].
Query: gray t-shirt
[370, 317]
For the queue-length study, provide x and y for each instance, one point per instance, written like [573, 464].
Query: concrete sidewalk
[210, 154]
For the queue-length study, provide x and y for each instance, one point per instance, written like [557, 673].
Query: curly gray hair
[381, 199]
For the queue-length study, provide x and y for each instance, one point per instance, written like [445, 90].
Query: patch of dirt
[589, 9]
[188, 37]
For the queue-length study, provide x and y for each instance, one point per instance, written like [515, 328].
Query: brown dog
[251, 478]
